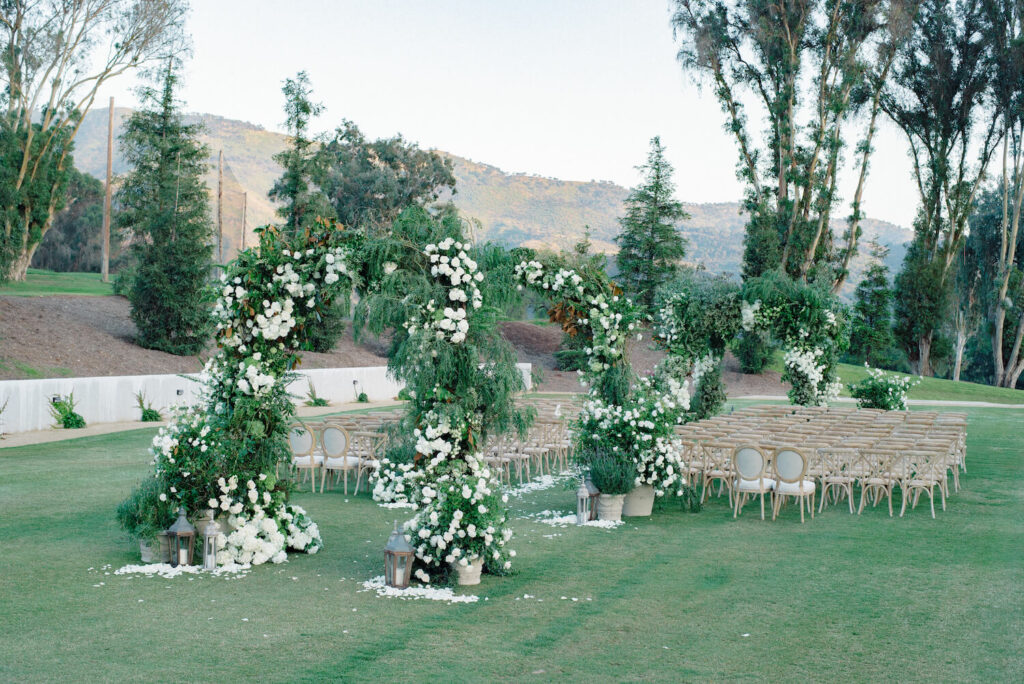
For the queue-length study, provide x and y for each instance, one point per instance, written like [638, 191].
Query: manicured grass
[842, 597]
[41, 283]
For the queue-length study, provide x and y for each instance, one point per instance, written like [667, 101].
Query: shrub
[313, 399]
[362, 398]
[149, 414]
[571, 354]
[325, 332]
[63, 411]
[611, 475]
[882, 390]
[404, 394]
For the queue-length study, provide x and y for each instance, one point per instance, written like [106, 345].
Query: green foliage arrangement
[149, 414]
[650, 245]
[709, 397]
[881, 390]
[313, 399]
[143, 515]
[610, 474]
[165, 204]
[363, 398]
[63, 411]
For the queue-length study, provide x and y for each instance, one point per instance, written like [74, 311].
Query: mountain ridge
[512, 208]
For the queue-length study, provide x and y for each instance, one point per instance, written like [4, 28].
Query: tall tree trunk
[924, 361]
[961, 342]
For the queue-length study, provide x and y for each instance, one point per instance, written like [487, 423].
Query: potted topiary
[614, 477]
[145, 517]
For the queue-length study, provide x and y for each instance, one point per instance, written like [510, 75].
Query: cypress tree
[650, 245]
[871, 338]
[164, 203]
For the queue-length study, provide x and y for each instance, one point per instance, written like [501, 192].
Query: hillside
[516, 209]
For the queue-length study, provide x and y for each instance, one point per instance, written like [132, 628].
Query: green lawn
[672, 597]
[40, 283]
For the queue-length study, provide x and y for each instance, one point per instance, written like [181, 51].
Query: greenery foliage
[313, 399]
[709, 397]
[149, 414]
[753, 349]
[650, 245]
[63, 411]
[164, 203]
[143, 515]
[609, 473]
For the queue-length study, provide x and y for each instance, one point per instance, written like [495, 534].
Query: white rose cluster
[262, 534]
[395, 482]
[252, 380]
[453, 268]
[462, 519]
[749, 314]
[807, 373]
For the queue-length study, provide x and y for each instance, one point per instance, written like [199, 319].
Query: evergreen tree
[75, 243]
[302, 201]
[871, 339]
[650, 245]
[165, 204]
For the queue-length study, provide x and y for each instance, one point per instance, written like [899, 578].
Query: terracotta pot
[609, 506]
[639, 502]
[469, 574]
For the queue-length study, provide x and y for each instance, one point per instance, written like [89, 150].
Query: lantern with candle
[181, 537]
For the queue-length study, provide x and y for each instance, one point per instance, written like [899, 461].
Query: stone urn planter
[609, 507]
[469, 574]
[639, 502]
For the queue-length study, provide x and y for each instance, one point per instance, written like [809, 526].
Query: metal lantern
[582, 503]
[398, 555]
[593, 492]
[181, 537]
[211, 529]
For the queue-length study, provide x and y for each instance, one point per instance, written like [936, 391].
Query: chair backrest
[749, 462]
[301, 440]
[335, 441]
[790, 465]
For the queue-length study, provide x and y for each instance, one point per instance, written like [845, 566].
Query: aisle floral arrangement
[881, 390]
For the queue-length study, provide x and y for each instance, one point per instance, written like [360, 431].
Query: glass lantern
[211, 530]
[181, 537]
[398, 559]
[582, 503]
[594, 492]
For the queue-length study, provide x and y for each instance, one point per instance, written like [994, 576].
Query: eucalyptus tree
[939, 95]
[809, 66]
[55, 56]
[1003, 26]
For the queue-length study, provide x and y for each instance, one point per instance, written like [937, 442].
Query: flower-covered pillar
[462, 379]
[224, 452]
[633, 419]
[811, 325]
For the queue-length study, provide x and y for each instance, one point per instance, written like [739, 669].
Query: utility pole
[105, 267]
[220, 203]
[245, 202]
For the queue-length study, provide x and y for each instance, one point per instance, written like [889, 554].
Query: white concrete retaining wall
[112, 399]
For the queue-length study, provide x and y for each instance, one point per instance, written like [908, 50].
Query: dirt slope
[93, 336]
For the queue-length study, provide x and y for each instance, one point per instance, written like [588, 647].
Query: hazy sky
[572, 89]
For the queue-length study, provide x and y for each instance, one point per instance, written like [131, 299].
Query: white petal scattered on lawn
[539, 484]
[560, 519]
[166, 570]
[397, 504]
[416, 593]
